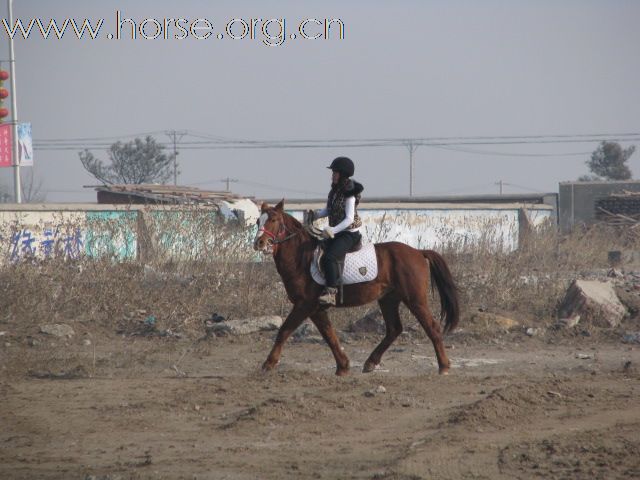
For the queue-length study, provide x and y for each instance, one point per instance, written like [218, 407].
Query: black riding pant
[335, 251]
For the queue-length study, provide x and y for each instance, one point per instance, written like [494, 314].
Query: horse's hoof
[342, 372]
[369, 367]
[444, 371]
[267, 367]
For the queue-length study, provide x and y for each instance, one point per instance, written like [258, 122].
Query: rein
[274, 238]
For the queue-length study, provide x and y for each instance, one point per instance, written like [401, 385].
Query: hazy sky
[404, 69]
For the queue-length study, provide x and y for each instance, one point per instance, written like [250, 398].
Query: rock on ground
[372, 322]
[493, 321]
[247, 325]
[307, 332]
[595, 302]
[57, 330]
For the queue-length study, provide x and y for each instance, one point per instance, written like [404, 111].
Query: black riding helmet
[343, 165]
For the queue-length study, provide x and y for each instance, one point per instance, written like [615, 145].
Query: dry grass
[532, 280]
[199, 266]
[203, 266]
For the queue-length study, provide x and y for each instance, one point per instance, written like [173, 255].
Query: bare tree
[5, 194]
[31, 187]
[135, 162]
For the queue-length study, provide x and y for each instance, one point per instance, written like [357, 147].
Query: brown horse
[403, 276]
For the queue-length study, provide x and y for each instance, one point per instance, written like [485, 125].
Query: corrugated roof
[170, 193]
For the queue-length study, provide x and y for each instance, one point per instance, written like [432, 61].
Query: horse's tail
[441, 276]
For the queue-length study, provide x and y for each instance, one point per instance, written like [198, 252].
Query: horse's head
[271, 227]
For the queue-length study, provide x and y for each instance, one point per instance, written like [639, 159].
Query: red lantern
[4, 75]
[4, 112]
[4, 93]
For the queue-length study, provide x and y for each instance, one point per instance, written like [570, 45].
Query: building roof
[92, 207]
[155, 193]
[600, 182]
[295, 206]
[476, 199]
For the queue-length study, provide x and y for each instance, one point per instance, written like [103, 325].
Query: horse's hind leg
[390, 311]
[423, 314]
[321, 321]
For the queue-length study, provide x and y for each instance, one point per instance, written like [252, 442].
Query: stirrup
[328, 297]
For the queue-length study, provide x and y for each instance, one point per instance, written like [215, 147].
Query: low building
[230, 205]
[578, 200]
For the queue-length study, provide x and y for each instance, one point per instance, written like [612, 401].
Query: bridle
[280, 237]
[274, 238]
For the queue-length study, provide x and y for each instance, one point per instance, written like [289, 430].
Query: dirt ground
[104, 406]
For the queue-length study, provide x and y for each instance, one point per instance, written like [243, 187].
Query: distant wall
[577, 200]
[150, 233]
[121, 233]
[435, 226]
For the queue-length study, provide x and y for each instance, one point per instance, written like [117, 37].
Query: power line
[173, 136]
[257, 184]
[115, 137]
[523, 188]
[511, 154]
[326, 144]
[204, 141]
[412, 148]
[218, 138]
[276, 187]
[227, 181]
[461, 189]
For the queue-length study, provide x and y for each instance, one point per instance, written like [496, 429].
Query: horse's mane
[294, 226]
[292, 223]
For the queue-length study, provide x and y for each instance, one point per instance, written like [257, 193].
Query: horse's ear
[280, 205]
[264, 207]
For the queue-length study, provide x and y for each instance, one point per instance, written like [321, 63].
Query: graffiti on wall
[192, 235]
[45, 243]
[120, 235]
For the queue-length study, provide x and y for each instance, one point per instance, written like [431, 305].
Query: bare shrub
[531, 280]
[194, 264]
[182, 265]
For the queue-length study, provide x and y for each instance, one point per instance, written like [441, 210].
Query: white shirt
[350, 215]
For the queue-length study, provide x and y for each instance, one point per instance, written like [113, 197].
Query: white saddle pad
[360, 266]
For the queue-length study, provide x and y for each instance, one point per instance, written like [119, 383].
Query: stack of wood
[619, 209]
[153, 193]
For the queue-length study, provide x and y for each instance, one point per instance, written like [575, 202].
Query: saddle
[358, 266]
[356, 247]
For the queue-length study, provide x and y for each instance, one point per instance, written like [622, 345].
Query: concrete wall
[113, 231]
[577, 200]
[438, 225]
[157, 233]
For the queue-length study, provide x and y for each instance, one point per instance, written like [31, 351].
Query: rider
[343, 232]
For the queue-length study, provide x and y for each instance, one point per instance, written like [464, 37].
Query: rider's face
[335, 176]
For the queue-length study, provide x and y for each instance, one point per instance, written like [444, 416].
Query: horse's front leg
[293, 321]
[321, 321]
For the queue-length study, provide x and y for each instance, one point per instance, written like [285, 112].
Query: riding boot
[328, 296]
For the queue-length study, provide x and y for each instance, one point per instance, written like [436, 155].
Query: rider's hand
[327, 232]
[311, 216]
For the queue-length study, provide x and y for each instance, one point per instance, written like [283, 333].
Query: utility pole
[228, 181]
[412, 148]
[14, 110]
[175, 137]
[500, 183]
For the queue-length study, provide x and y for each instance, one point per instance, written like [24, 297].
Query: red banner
[5, 144]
